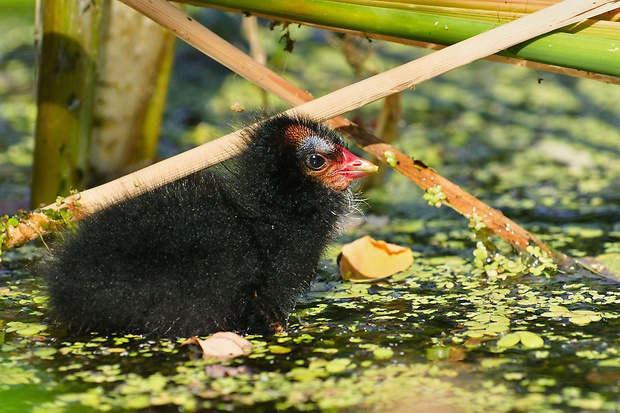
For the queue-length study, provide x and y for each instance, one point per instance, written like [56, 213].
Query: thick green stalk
[64, 97]
[593, 48]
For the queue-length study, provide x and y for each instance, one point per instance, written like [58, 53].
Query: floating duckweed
[516, 375]
[324, 350]
[539, 261]
[476, 223]
[44, 352]
[509, 340]
[494, 363]
[496, 265]
[614, 362]
[487, 308]
[486, 324]
[306, 374]
[16, 374]
[435, 195]
[476, 313]
[338, 365]
[526, 338]
[60, 217]
[383, 353]
[530, 340]
[438, 353]
[579, 317]
[25, 329]
[275, 349]
[390, 158]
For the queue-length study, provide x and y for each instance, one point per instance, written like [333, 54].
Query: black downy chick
[225, 249]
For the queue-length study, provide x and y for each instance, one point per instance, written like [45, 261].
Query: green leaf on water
[337, 365]
[275, 349]
[438, 353]
[44, 352]
[25, 329]
[613, 362]
[530, 340]
[383, 353]
[509, 340]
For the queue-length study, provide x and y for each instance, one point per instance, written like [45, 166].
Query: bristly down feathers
[224, 249]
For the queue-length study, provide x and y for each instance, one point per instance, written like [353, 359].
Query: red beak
[353, 167]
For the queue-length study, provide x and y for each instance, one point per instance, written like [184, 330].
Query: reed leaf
[592, 46]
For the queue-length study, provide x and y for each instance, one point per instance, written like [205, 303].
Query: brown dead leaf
[457, 354]
[367, 259]
[602, 377]
[221, 346]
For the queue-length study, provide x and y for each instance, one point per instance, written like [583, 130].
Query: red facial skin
[339, 175]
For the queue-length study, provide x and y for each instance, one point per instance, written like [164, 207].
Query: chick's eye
[315, 162]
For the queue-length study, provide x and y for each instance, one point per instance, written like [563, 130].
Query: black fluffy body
[225, 249]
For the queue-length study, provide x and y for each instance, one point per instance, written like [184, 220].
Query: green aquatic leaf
[337, 365]
[613, 362]
[497, 328]
[383, 353]
[44, 352]
[509, 340]
[276, 349]
[25, 329]
[435, 195]
[438, 353]
[390, 158]
[530, 340]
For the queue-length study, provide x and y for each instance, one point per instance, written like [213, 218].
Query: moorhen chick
[224, 249]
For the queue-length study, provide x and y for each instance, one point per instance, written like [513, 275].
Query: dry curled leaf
[367, 259]
[222, 346]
